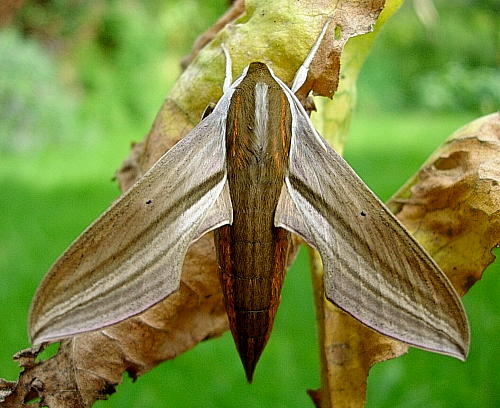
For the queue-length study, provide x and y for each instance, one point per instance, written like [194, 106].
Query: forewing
[131, 257]
[374, 269]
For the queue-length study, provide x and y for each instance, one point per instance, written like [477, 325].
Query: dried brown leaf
[452, 205]
[348, 19]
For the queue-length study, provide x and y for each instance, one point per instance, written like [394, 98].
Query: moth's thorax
[258, 135]
[258, 123]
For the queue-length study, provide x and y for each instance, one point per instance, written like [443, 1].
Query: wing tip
[460, 351]
[39, 337]
[457, 347]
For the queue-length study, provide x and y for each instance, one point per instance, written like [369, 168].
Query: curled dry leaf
[452, 206]
[349, 20]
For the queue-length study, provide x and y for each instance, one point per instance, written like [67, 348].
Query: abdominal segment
[251, 275]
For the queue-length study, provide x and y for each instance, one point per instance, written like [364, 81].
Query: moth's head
[258, 68]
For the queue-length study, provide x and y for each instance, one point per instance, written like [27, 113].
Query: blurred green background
[79, 81]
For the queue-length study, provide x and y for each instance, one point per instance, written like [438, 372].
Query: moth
[256, 171]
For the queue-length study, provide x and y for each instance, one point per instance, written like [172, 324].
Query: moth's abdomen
[252, 255]
[251, 278]
[252, 252]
